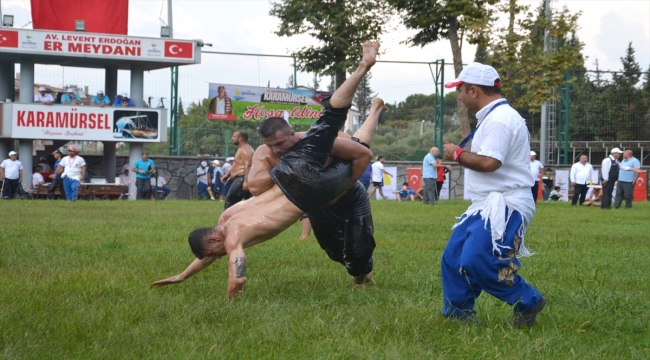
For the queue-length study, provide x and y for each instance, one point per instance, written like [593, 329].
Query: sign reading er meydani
[86, 123]
[236, 102]
[95, 45]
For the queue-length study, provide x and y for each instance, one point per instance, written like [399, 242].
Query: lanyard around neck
[471, 135]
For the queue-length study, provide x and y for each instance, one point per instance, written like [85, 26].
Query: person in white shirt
[43, 98]
[72, 169]
[11, 171]
[580, 177]
[609, 171]
[536, 171]
[124, 176]
[203, 180]
[481, 254]
[37, 178]
[43, 164]
[159, 183]
[377, 177]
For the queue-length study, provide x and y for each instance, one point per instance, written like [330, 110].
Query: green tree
[438, 19]
[530, 75]
[481, 55]
[290, 82]
[316, 82]
[363, 97]
[646, 81]
[631, 72]
[339, 26]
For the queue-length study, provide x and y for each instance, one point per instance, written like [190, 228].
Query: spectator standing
[72, 169]
[482, 252]
[626, 180]
[143, 169]
[224, 170]
[12, 174]
[536, 171]
[159, 183]
[217, 185]
[203, 180]
[100, 99]
[609, 173]
[123, 101]
[377, 177]
[442, 169]
[242, 163]
[37, 178]
[56, 177]
[429, 176]
[548, 180]
[43, 98]
[366, 177]
[580, 177]
[70, 98]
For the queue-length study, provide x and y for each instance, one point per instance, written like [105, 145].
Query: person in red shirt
[441, 175]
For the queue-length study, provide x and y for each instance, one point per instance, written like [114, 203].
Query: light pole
[421, 128]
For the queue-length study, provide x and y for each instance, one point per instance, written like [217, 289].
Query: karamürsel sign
[32, 121]
[95, 45]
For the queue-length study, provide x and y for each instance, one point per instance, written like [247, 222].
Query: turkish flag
[9, 38]
[640, 191]
[102, 17]
[414, 178]
[179, 49]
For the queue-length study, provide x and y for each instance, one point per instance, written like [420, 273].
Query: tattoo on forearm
[240, 267]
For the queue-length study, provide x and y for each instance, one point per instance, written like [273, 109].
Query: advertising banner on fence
[641, 187]
[82, 44]
[237, 102]
[389, 184]
[562, 180]
[86, 123]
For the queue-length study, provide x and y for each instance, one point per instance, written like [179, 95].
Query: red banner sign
[641, 187]
[414, 176]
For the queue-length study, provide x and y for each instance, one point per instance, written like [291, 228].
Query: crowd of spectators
[71, 97]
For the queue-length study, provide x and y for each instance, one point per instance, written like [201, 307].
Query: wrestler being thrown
[302, 184]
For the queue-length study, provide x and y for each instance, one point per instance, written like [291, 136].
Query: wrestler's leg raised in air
[342, 97]
[367, 130]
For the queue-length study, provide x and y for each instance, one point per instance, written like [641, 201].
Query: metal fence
[595, 109]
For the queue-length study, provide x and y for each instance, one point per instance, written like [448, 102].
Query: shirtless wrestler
[235, 177]
[278, 209]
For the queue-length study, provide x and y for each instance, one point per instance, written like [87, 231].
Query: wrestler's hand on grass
[169, 281]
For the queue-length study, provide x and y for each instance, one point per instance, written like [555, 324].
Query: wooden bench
[41, 192]
[101, 190]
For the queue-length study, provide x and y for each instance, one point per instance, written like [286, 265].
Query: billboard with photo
[238, 102]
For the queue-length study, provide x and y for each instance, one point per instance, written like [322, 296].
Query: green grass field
[74, 283]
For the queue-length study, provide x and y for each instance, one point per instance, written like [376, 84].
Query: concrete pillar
[25, 149]
[5, 147]
[26, 83]
[109, 161]
[135, 152]
[137, 84]
[110, 83]
[6, 80]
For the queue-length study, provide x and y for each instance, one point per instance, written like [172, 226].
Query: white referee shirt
[502, 135]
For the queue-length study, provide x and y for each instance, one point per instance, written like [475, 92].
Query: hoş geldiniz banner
[236, 102]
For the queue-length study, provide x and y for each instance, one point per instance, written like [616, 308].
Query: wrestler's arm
[196, 266]
[472, 160]
[247, 168]
[258, 177]
[236, 267]
[352, 150]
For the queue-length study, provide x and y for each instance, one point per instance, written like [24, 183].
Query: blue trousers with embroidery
[70, 187]
[469, 266]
